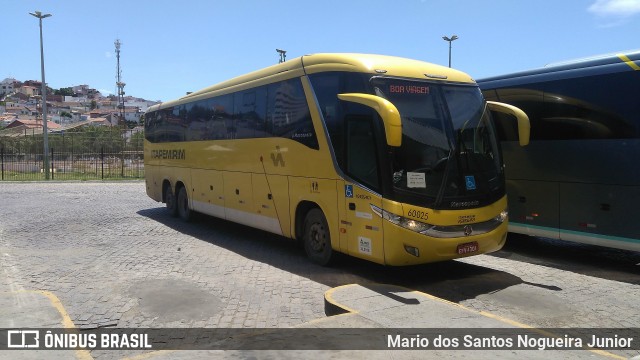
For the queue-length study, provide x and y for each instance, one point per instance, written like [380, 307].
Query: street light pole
[450, 40]
[45, 135]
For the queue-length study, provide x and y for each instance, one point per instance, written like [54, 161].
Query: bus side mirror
[524, 128]
[387, 111]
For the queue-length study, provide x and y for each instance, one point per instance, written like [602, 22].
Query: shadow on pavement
[591, 260]
[451, 280]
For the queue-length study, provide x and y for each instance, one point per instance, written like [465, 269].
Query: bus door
[364, 228]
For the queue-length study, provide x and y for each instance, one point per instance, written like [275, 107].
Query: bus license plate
[468, 248]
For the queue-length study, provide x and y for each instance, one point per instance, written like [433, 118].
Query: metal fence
[89, 154]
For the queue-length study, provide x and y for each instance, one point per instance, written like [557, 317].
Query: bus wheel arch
[301, 212]
[312, 229]
[169, 198]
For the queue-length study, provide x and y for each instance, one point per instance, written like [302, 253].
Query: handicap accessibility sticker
[470, 182]
[348, 191]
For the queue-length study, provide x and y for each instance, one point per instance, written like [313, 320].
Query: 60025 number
[416, 214]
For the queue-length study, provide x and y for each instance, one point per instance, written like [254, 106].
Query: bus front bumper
[405, 247]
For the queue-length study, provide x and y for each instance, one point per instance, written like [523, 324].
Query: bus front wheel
[170, 201]
[183, 204]
[317, 240]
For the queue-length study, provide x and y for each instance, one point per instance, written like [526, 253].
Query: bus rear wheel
[170, 201]
[182, 204]
[316, 238]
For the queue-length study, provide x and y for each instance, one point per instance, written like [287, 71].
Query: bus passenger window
[150, 125]
[222, 119]
[258, 116]
[289, 113]
[245, 107]
[196, 120]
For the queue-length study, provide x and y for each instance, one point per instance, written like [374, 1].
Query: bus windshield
[449, 156]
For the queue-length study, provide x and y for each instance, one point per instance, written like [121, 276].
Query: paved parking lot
[112, 257]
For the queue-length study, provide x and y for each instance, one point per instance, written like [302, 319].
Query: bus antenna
[283, 55]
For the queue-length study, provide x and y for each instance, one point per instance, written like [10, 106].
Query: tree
[137, 139]
[64, 92]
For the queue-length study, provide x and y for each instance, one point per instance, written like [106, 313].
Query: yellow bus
[382, 158]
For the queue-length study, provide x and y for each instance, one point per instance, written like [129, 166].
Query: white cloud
[615, 8]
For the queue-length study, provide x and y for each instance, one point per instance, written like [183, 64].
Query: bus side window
[259, 119]
[590, 108]
[162, 132]
[528, 99]
[150, 125]
[250, 108]
[362, 162]
[289, 113]
[326, 87]
[243, 115]
[221, 121]
[175, 121]
[196, 120]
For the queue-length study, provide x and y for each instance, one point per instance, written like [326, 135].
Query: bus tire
[316, 238]
[182, 204]
[170, 201]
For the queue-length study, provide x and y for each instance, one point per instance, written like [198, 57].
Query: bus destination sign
[409, 89]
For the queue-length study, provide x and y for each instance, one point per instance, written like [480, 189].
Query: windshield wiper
[463, 150]
[445, 177]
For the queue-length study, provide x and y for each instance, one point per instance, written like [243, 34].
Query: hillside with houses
[67, 108]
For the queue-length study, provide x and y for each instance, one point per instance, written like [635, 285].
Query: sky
[172, 47]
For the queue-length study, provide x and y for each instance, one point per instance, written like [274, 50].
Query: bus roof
[309, 64]
[383, 65]
[608, 63]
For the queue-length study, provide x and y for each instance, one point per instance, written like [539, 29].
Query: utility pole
[119, 84]
[45, 131]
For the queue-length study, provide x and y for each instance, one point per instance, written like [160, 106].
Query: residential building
[29, 90]
[31, 124]
[8, 85]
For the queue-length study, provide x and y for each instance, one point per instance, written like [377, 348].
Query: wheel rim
[318, 237]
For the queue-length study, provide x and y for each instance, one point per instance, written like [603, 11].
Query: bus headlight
[402, 221]
[414, 225]
[442, 231]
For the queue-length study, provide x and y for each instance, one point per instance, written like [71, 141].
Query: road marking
[66, 319]
[329, 297]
